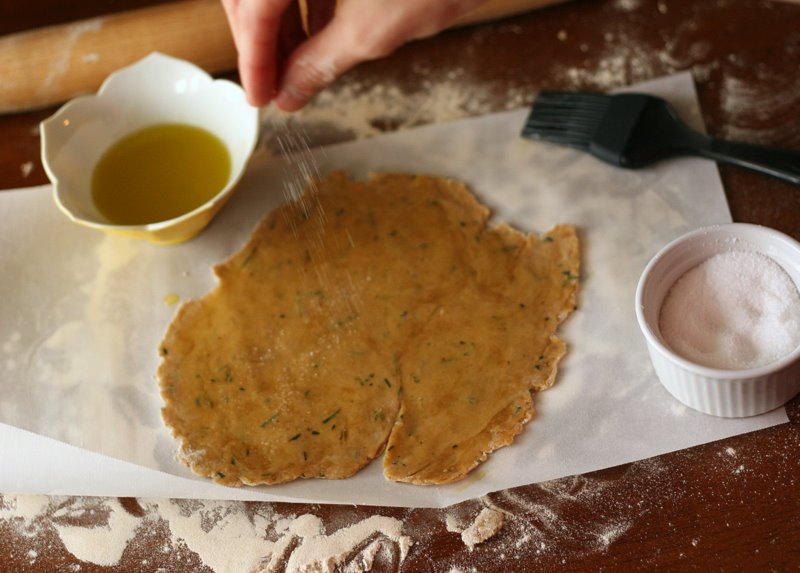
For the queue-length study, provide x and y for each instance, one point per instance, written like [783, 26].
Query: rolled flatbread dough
[368, 315]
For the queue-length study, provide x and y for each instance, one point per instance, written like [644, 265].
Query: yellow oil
[159, 173]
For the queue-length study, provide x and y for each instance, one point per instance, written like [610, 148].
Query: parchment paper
[82, 313]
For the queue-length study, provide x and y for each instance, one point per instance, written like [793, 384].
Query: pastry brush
[633, 130]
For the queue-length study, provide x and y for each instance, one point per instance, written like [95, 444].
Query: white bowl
[728, 393]
[156, 89]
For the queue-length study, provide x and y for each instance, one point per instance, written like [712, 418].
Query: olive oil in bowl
[159, 173]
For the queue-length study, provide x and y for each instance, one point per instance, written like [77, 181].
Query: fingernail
[257, 101]
[291, 99]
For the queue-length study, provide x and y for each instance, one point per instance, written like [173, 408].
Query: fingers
[361, 30]
[255, 25]
[310, 68]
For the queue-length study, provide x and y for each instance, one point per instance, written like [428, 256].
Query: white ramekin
[728, 393]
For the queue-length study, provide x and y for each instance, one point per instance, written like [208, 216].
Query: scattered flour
[485, 526]
[101, 544]
[25, 508]
[319, 552]
[222, 534]
[625, 59]
[230, 538]
[26, 169]
[59, 65]
[227, 537]
[740, 99]
[452, 524]
[607, 535]
[554, 522]
[353, 110]
[627, 5]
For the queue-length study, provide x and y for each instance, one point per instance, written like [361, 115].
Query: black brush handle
[781, 163]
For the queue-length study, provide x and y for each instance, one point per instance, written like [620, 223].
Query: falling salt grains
[736, 310]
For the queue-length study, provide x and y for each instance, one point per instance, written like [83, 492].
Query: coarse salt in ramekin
[720, 392]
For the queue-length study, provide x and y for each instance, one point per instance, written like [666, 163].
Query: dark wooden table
[732, 505]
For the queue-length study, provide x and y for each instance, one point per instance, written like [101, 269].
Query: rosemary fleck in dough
[368, 315]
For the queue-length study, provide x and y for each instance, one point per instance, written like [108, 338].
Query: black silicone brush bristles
[566, 118]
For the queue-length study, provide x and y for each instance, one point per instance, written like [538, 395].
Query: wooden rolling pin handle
[50, 65]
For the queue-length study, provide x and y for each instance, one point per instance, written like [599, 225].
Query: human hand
[360, 30]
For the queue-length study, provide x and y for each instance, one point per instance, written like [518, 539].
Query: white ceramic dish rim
[655, 342]
[157, 59]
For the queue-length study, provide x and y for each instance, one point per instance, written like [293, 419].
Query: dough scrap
[368, 316]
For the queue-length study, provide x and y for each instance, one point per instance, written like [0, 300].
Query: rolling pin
[50, 65]
[53, 64]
